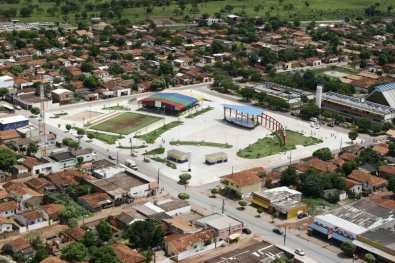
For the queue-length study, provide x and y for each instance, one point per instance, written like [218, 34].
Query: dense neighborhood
[230, 138]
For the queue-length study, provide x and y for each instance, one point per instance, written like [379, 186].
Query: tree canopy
[144, 234]
[75, 252]
[323, 154]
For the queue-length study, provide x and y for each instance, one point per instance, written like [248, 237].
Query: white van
[131, 164]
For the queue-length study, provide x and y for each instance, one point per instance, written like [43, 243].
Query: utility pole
[131, 146]
[285, 235]
[159, 173]
[223, 206]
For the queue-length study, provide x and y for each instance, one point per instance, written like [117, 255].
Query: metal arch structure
[252, 117]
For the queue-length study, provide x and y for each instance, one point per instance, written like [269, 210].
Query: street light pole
[159, 173]
[131, 146]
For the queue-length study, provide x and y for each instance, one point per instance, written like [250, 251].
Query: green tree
[16, 69]
[391, 184]
[184, 178]
[80, 160]
[281, 260]
[81, 132]
[104, 230]
[166, 68]
[214, 191]
[86, 67]
[323, 154]
[68, 127]
[364, 125]
[116, 69]
[40, 255]
[7, 159]
[353, 135]
[32, 148]
[144, 234]
[349, 166]
[348, 248]
[289, 176]
[183, 196]
[148, 254]
[247, 93]
[369, 258]
[6, 249]
[74, 252]
[35, 111]
[91, 83]
[259, 211]
[310, 110]
[104, 254]
[242, 204]
[25, 11]
[90, 239]
[313, 183]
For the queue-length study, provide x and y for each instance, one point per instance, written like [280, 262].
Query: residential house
[19, 171]
[5, 225]
[126, 254]
[40, 184]
[37, 167]
[27, 197]
[8, 209]
[64, 159]
[66, 177]
[52, 259]
[243, 183]
[28, 218]
[224, 225]
[50, 212]
[353, 186]
[321, 165]
[8, 135]
[370, 182]
[272, 179]
[387, 171]
[314, 61]
[182, 246]
[125, 219]
[86, 154]
[283, 201]
[62, 96]
[96, 202]
[22, 246]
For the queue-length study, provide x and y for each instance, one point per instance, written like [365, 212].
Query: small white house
[6, 82]
[8, 209]
[5, 225]
[29, 218]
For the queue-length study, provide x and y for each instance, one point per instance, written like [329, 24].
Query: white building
[6, 82]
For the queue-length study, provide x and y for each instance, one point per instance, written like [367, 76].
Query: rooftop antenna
[42, 126]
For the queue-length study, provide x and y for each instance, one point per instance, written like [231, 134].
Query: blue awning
[245, 109]
[340, 237]
[320, 229]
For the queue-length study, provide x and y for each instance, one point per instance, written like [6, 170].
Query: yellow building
[285, 202]
[243, 183]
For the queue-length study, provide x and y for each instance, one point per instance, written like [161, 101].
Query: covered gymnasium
[172, 103]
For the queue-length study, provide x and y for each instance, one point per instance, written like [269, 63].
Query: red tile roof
[30, 215]
[94, 200]
[7, 206]
[29, 162]
[321, 165]
[246, 177]
[387, 169]
[364, 177]
[181, 242]
[76, 233]
[53, 259]
[348, 156]
[126, 254]
[19, 244]
[52, 209]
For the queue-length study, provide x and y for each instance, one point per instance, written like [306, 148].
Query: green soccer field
[126, 123]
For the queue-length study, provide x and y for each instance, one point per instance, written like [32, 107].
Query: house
[19, 170]
[6, 82]
[28, 218]
[353, 186]
[125, 219]
[64, 159]
[86, 154]
[314, 61]
[40, 184]
[95, 202]
[329, 194]
[8, 209]
[126, 254]
[243, 183]
[37, 167]
[65, 178]
[370, 182]
[224, 225]
[53, 259]
[27, 197]
[180, 225]
[283, 201]
[387, 171]
[182, 246]
[22, 246]
[50, 211]
[74, 234]
[62, 96]
[321, 165]
[13, 122]
[174, 207]
[5, 225]
[8, 135]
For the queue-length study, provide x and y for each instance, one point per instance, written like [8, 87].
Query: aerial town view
[197, 131]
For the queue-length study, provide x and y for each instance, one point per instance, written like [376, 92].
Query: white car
[299, 251]
[312, 124]
[317, 126]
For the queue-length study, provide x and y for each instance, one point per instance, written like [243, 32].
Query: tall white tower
[318, 96]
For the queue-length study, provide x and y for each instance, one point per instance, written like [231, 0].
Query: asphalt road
[200, 195]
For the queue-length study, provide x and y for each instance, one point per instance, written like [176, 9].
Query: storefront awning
[318, 228]
[234, 236]
[340, 237]
[260, 203]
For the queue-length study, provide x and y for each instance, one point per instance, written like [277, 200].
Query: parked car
[278, 231]
[299, 251]
[246, 230]
[313, 119]
[330, 125]
[17, 107]
[302, 215]
[111, 157]
[312, 124]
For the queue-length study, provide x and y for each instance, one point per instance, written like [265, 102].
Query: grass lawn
[107, 138]
[193, 115]
[134, 147]
[155, 151]
[321, 71]
[316, 205]
[168, 163]
[126, 123]
[316, 10]
[271, 145]
[152, 136]
[118, 107]
[202, 143]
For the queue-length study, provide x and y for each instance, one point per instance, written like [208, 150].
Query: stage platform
[246, 123]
